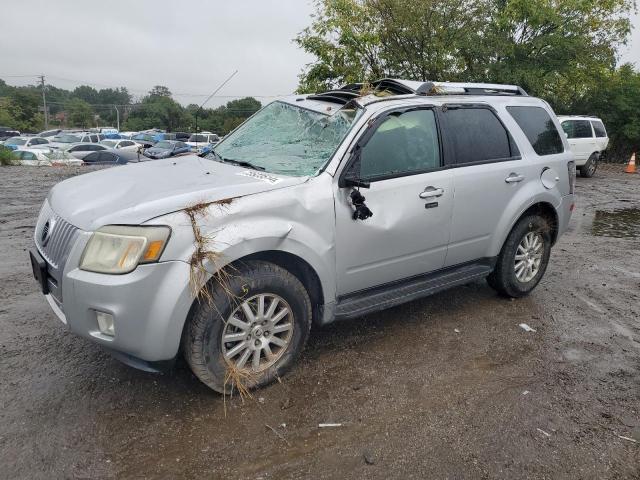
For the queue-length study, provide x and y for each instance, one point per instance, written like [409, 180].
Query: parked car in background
[128, 135]
[66, 139]
[462, 182]
[81, 150]
[588, 138]
[107, 130]
[198, 140]
[182, 136]
[121, 144]
[167, 148]
[113, 157]
[40, 158]
[50, 133]
[14, 143]
[7, 134]
[145, 139]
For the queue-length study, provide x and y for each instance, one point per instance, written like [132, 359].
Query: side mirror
[351, 178]
[348, 182]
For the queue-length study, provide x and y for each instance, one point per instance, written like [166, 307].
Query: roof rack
[394, 86]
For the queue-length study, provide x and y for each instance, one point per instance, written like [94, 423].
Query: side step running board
[386, 296]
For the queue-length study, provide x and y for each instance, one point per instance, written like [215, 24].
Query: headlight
[119, 249]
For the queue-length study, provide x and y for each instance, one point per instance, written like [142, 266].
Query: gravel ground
[446, 387]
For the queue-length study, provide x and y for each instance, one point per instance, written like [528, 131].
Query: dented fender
[298, 220]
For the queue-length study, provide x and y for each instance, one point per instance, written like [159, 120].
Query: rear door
[411, 199]
[581, 138]
[488, 172]
[602, 139]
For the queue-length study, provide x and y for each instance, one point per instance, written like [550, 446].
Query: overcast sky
[189, 46]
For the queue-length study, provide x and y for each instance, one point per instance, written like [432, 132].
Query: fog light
[105, 323]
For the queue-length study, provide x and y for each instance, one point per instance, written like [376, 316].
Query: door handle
[431, 192]
[514, 178]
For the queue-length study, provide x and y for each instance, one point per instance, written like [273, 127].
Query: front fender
[298, 220]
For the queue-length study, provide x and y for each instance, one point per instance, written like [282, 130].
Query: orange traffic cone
[631, 166]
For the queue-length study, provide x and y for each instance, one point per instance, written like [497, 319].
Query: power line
[143, 92]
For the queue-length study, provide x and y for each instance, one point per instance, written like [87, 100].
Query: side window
[477, 135]
[75, 149]
[94, 138]
[28, 156]
[598, 127]
[107, 157]
[92, 157]
[539, 128]
[402, 144]
[582, 129]
[125, 144]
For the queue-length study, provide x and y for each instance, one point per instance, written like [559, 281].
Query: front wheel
[588, 170]
[524, 257]
[251, 331]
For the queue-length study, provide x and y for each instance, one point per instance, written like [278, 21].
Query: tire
[204, 349]
[588, 170]
[505, 278]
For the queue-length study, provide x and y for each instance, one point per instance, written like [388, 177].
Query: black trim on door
[447, 141]
[384, 296]
[373, 127]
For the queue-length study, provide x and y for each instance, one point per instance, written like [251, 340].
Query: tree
[160, 91]
[542, 45]
[80, 113]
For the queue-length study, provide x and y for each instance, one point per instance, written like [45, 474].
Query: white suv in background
[588, 139]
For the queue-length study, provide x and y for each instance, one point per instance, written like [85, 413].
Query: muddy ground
[447, 387]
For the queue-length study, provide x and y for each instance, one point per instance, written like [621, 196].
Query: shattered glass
[287, 139]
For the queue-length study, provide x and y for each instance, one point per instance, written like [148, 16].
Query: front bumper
[149, 307]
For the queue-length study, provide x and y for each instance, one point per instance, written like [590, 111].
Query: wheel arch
[299, 268]
[545, 210]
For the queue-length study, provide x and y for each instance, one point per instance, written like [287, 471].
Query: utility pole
[44, 103]
[117, 116]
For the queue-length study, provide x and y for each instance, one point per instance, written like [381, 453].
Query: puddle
[623, 223]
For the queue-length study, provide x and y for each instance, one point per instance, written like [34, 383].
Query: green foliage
[615, 97]
[20, 108]
[6, 156]
[159, 110]
[561, 50]
[80, 113]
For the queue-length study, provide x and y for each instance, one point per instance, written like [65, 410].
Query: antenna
[209, 97]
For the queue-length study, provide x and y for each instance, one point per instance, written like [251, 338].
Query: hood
[135, 193]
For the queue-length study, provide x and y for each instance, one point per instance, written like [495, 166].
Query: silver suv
[318, 208]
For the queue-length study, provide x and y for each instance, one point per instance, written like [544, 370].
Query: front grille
[53, 236]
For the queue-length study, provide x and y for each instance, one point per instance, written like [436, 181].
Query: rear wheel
[588, 170]
[252, 330]
[524, 257]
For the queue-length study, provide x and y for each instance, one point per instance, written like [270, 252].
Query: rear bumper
[565, 211]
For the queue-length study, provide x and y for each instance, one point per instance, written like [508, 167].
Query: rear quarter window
[539, 129]
[598, 127]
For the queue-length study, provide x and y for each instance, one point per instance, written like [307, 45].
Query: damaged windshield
[287, 139]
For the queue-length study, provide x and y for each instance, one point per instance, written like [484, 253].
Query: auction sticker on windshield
[265, 177]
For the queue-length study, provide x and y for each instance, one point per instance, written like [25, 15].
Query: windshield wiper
[241, 163]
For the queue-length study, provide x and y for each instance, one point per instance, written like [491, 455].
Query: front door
[410, 196]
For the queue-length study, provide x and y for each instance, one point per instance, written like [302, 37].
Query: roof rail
[453, 88]
[394, 86]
